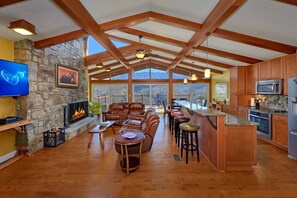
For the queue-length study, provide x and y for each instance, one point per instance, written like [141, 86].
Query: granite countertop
[235, 121]
[204, 111]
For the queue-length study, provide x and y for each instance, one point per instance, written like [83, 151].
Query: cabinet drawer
[279, 117]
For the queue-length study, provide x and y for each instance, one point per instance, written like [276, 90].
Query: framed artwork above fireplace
[66, 77]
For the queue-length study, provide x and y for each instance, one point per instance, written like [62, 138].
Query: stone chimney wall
[45, 103]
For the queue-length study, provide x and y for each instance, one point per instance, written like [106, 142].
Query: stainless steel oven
[264, 122]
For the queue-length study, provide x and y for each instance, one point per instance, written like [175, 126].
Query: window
[114, 93]
[179, 76]
[143, 74]
[159, 74]
[120, 77]
[191, 91]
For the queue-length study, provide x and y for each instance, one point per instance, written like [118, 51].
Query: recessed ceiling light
[108, 69]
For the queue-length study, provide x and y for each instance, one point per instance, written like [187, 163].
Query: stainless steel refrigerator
[292, 117]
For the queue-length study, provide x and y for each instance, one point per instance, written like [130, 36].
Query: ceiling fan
[141, 53]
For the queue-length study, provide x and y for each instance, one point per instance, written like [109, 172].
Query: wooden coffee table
[100, 129]
[129, 162]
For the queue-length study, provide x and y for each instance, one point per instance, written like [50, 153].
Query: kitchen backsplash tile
[278, 102]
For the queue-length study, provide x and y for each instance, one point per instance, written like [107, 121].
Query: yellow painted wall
[225, 77]
[7, 104]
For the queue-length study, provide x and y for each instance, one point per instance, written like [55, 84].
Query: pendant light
[185, 81]
[207, 71]
[140, 53]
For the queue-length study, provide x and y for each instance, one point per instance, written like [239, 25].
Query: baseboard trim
[7, 156]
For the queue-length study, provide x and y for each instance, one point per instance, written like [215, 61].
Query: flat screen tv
[13, 79]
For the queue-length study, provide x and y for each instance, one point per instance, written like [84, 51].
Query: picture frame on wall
[221, 89]
[66, 77]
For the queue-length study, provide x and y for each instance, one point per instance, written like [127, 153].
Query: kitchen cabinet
[280, 130]
[264, 70]
[238, 96]
[251, 78]
[290, 70]
[276, 69]
[271, 69]
[242, 112]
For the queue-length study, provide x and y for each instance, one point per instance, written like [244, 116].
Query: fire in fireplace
[75, 111]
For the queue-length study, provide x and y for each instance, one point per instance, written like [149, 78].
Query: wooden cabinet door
[233, 80]
[276, 68]
[264, 70]
[242, 112]
[290, 70]
[251, 78]
[280, 130]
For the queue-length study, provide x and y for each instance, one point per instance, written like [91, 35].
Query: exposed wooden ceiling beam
[153, 37]
[292, 2]
[183, 44]
[194, 66]
[126, 21]
[223, 10]
[75, 10]
[190, 70]
[105, 56]
[111, 65]
[115, 24]
[258, 42]
[211, 62]
[229, 55]
[174, 21]
[60, 39]
[218, 64]
[9, 2]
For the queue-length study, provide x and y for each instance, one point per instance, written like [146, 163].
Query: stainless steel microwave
[269, 87]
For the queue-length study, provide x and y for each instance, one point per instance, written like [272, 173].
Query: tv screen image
[13, 79]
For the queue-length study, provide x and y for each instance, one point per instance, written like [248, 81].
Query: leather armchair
[148, 128]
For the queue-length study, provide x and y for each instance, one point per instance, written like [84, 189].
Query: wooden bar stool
[170, 117]
[188, 129]
[179, 120]
[173, 115]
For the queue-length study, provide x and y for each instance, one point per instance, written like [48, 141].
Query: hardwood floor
[72, 170]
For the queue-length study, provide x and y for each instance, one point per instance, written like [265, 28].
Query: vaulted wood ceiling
[185, 44]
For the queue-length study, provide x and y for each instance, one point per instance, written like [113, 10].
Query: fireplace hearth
[75, 111]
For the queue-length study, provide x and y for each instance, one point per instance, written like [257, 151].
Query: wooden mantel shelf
[14, 124]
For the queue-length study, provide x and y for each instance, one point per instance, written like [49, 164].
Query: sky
[94, 47]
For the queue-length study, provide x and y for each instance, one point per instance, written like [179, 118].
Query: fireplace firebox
[75, 111]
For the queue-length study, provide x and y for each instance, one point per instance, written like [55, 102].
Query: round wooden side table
[129, 163]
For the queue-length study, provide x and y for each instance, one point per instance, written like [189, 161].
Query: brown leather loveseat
[119, 112]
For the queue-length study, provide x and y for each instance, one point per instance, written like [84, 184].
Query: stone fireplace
[75, 111]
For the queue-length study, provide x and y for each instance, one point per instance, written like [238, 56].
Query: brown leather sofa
[148, 126]
[119, 112]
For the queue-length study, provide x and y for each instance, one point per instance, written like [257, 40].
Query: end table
[130, 162]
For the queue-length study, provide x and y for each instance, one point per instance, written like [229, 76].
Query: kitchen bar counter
[204, 111]
[228, 142]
